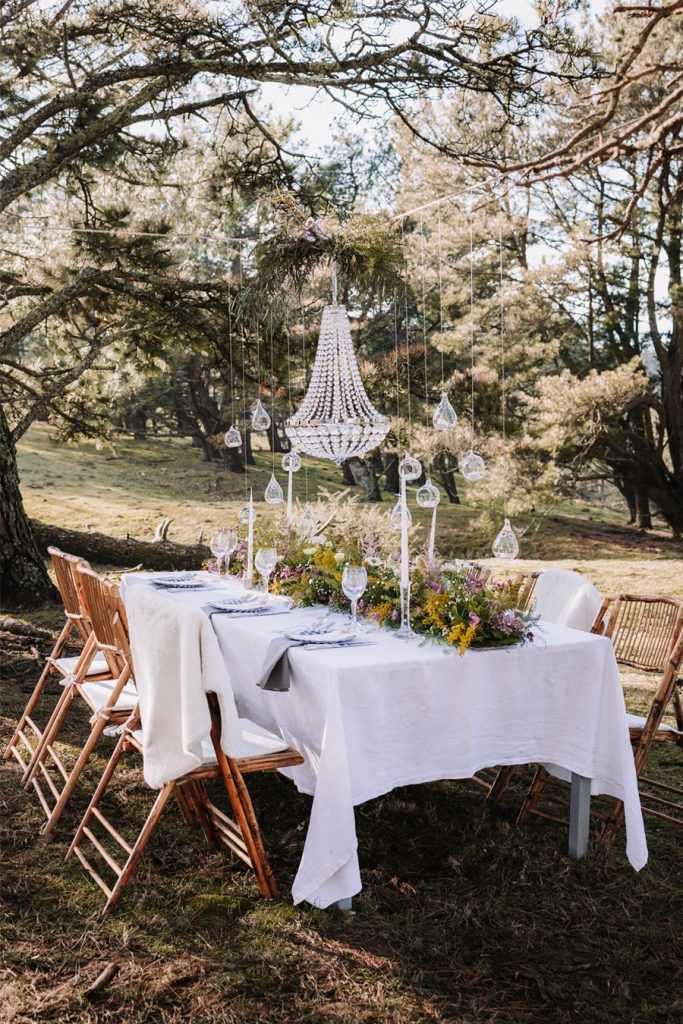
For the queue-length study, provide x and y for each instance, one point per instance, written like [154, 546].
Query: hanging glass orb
[260, 420]
[291, 462]
[445, 417]
[308, 524]
[273, 495]
[243, 515]
[506, 544]
[472, 466]
[410, 468]
[233, 438]
[396, 516]
[428, 495]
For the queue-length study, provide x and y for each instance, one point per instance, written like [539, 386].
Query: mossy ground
[464, 918]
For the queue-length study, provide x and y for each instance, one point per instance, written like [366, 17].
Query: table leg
[579, 816]
[346, 904]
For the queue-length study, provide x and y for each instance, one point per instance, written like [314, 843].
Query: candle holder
[405, 631]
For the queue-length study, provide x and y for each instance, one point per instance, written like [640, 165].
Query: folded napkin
[275, 669]
[211, 610]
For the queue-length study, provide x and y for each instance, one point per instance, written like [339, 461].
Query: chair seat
[67, 666]
[258, 742]
[637, 722]
[98, 693]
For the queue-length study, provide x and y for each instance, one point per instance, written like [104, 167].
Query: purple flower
[474, 619]
[394, 615]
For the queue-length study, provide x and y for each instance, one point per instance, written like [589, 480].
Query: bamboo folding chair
[28, 736]
[647, 634]
[527, 585]
[240, 834]
[110, 699]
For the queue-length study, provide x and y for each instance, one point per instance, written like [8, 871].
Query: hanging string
[407, 335]
[232, 368]
[272, 386]
[502, 362]
[472, 331]
[245, 426]
[424, 325]
[443, 375]
[305, 361]
[397, 355]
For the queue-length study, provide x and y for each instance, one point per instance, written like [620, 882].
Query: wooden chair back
[103, 603]
[643, 630]
[527, 585]
[65, 567]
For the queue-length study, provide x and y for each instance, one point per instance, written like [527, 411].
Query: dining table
[384, 712]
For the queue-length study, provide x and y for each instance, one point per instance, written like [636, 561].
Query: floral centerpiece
[450, 606]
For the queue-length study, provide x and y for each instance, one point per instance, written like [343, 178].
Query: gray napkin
[275, 671]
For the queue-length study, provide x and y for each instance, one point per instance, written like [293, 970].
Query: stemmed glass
[354, 582]
[230, 545]
[265, 561]
[218, 546]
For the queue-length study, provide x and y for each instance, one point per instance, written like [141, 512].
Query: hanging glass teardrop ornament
[308, 524]
[233, 438]
[395, 517]
[243, 515]
[274, 494]
[291, 462]
[472, 466]
[260, 420]
[445, 417]
[428, 495]
[506, 544]
[409, 468]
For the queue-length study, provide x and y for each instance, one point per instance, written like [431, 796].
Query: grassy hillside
[131, 489]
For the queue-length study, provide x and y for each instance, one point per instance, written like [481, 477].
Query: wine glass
[265, 561]
[230, 545]
[218, 547]
[354, 582]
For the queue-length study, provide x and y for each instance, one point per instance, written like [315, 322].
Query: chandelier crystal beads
[336, 420]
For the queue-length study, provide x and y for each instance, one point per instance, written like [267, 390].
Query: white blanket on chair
[566, 598]
[177, 661]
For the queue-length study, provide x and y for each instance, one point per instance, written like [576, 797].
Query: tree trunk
[247, 451]
[347, 475]
[123, 552]
[643, 515]
[392, 484]
[364, 475]
[25, 582]
[447, 473]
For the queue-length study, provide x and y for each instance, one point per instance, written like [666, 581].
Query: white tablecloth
[369, 719]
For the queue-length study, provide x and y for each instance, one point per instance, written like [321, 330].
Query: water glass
[265, 562]
[354, 582]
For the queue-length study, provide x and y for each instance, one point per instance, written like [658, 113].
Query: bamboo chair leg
[49, 733]
[501, 782]
[196, 797]
[97, 795]
[242, 809]
[39, 687]
[139, 846]
[70, 785]
[256, 838]
[533, 795]
[613, 824]
[185, 807]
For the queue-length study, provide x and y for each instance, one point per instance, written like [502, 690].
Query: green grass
[464, 918]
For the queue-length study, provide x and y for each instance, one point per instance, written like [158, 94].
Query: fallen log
[123, 552]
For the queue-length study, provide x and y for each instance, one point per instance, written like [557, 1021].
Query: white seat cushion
[67, 666]
[99, 694]
[257, 742]
[638, 722]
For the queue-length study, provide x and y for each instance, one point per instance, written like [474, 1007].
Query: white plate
[334, 636]
[239, 601]
[176, 577]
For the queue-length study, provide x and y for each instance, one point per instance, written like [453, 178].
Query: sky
[317, 114]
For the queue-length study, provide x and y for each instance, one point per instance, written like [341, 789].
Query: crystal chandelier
[336, 420]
